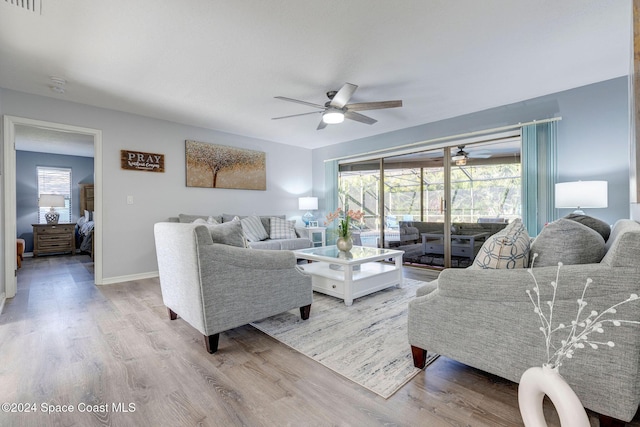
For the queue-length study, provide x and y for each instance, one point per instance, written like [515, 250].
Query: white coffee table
[353, 274]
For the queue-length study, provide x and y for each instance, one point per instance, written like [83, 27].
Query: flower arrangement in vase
[344, 242]
[537, 382]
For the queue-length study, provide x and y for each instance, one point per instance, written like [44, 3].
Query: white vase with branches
[536, 382]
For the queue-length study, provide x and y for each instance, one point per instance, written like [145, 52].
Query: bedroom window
[55, 181]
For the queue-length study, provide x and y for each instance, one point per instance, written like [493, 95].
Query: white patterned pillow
[253, 229]
[508, 248]
[282, 229]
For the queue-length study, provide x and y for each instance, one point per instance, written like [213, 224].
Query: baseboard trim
[128, 278]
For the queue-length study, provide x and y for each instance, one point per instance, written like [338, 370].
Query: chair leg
[419, 357]
[211, 342]
[172, 314]
[305, 311]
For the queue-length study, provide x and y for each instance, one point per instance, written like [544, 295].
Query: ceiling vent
[30, 5]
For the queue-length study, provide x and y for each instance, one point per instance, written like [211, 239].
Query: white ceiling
[218, 64]
[30, 138]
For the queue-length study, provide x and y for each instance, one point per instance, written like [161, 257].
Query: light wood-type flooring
[110, 354]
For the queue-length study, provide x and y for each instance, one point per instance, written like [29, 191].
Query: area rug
[366, 343]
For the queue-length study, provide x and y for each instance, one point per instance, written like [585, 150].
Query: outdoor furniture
[462, 245]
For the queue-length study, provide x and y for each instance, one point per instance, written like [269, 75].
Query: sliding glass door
[359, 189]
[438, 206]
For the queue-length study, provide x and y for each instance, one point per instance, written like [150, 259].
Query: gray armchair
[216, 287]
[484, 318]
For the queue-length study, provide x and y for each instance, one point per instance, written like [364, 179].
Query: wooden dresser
[53, 239]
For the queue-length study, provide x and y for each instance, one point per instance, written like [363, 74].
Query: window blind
[55, 181]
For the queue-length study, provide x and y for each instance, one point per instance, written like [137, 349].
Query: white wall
[128, 229]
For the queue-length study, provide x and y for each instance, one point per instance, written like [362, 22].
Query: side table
[53, 238]
[317, 235]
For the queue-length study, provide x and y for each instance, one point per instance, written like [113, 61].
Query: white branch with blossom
[579, 330]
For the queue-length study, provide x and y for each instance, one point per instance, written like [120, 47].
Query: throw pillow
[282, 229]
[253, 229]
[228, 233]
[569, 242]
[186, 218]
[509, 248]
[594, 223]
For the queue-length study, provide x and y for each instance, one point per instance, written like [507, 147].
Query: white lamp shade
[581, 194]
[51, 201]
[307, 203]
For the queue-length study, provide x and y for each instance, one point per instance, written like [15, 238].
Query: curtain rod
[446, 138]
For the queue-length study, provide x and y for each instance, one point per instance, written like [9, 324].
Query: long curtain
[330, 193]
[539, 175]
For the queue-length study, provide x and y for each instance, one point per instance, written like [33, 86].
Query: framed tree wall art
[221, 166]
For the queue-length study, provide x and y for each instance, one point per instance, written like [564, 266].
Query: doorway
[9, 198]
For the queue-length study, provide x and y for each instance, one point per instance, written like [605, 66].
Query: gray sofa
[484, 318]
[215, 287]
[302, 241]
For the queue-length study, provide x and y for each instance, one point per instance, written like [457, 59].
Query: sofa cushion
[281, 228]
[569, 242]
[187, 218]
[253, 229]
[594, 223]
[294, 244]
[209, 221]
[266, 244]
[228, 233]
[509, 248]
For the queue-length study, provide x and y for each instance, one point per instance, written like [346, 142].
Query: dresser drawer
[62, 244]
[328, 286]
[54, 229]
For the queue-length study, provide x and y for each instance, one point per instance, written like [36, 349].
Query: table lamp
[51, 201]
[581, 194]
[307, 204]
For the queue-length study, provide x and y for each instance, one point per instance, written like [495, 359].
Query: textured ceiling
[219, 64]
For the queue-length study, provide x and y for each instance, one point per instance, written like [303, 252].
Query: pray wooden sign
[136, 160]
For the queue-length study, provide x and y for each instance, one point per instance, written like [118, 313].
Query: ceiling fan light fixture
[461, 162]
[333, 117]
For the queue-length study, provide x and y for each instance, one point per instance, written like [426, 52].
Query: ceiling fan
[461, 156]
[337, 108]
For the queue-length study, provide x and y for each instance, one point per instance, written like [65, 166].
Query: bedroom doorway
[11, 125]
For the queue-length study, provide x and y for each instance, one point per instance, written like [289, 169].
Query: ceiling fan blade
[295, 115]
[321, 125]
[297, 101]
[363, 106]
[359, 117]
[343, 96]
[479, 155]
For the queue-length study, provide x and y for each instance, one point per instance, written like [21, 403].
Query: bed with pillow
[84, 225]
[84, 232]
